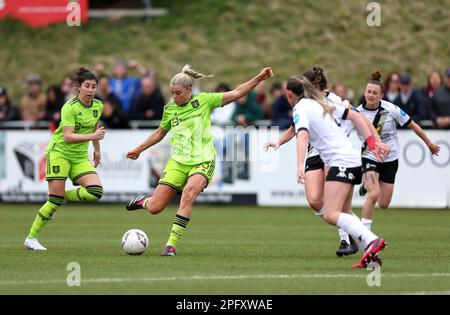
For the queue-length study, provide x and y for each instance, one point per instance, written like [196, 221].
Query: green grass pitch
[225, 250]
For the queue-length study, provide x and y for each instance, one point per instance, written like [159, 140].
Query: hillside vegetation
[234, 39]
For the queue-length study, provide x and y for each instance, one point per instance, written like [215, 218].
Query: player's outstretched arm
[155, 137]
[285, 137]
[434, 148]
[246, 87]
[364, 130]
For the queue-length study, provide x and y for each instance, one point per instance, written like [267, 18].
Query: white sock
[367, 223]
[355, 229]
[358, 242]
[353, 214]
[343, 236]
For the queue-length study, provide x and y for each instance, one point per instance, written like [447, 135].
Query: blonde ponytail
[186, 76]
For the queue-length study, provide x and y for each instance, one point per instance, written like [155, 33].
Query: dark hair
[375, 79]
[82, 74]
[389, 79]
[429, 77]
[223, 87]
[59, 95]
[302, 87]
[294, 84]
[316, 77]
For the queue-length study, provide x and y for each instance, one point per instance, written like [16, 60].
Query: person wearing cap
[410, 100]
[440, 104]
[7, 110]
[33, 105]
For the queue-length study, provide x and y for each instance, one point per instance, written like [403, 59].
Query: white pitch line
[223, 277]
[427, 293]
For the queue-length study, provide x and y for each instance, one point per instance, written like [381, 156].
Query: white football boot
[33, 244]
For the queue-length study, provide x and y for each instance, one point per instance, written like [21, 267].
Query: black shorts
[387, 170]
[314, 163]
[350, 175]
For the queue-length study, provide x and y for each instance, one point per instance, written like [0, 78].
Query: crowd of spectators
[139, 98]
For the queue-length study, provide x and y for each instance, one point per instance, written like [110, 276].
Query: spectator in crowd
[440, 104]
[410, 100]
[223, 115]
[392, 87]
[68, 88]
[340, 90]
[124, 86]
[112, 115]
[261, 98]
[55, 101]
[281, 109]
[434, 81]
[248, 110]
[7, 110]
[149, 102]
[99, 69]
[32, 105]
[104, 92]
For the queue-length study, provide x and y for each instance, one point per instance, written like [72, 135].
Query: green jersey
[190, 124]
[84, 120]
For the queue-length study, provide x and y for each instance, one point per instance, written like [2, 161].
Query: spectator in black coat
[149, 103]
[281, 110]
[411, 100]
[104, 92]
[7, 110]
[440, 104]
[112, 116]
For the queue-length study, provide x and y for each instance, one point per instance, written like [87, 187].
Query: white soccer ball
[134, 242]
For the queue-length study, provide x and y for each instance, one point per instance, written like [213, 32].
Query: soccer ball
[134, 242]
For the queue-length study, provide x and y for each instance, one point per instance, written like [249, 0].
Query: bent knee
[373, 194]
[315, 203]
[155, 209]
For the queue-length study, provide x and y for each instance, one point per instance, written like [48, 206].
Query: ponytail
[314, 94]
[317, 78]
[375, 79]
[302, 87]
[186, 76]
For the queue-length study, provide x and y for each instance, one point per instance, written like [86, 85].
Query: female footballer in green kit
[191, 165]
[67, 154]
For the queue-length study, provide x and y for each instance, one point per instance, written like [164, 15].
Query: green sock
[88, 193]
[44, 215]
[178, 227]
